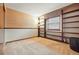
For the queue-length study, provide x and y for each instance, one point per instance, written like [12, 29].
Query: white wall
[1, 35]
[17, 34]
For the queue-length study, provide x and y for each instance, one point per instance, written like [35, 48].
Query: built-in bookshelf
[68, 23]
[41, 26]
[71, 22]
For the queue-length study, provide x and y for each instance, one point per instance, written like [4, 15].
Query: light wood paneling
[1, 17]
[71, 14]
[71, 8]
[74, 24]
[74, 30]
[71, 35]
[71, 19]
[16, 19]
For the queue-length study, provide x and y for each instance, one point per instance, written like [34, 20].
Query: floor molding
[20, 39]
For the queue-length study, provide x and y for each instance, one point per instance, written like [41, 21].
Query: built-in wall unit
[61, 24]
[41, 27]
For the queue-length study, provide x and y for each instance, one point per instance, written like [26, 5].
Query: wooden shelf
[71, 32]
[54, 29]
[54, 32]
[70, 27]
[71, 11]
[71, 22]
[54, 35]
[71, 17]
[68, 16]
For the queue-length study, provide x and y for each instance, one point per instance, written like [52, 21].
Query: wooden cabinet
[69, 21]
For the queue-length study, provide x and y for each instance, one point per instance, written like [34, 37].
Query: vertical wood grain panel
[16, 19]
[1, 17]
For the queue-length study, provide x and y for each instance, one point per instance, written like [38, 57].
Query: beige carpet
[27, 48]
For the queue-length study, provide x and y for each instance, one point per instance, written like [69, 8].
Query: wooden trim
[71, 32]
[38, 27]
[45, 28]
[38, 32]
[71, 22]
[54, 35]
[58, 36]
[54, 32]
[71, 17]
[59, 40]
[56, 40]
[1, 28]
[18, 28]
[1, 43]
[52, 17]
[69, 27]
[71, 7]
[71, 11]
[54, 29]
[51, 23]
[4, 8]
[65, 37]
[52, 14]
[20, 39]
[62, 25]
